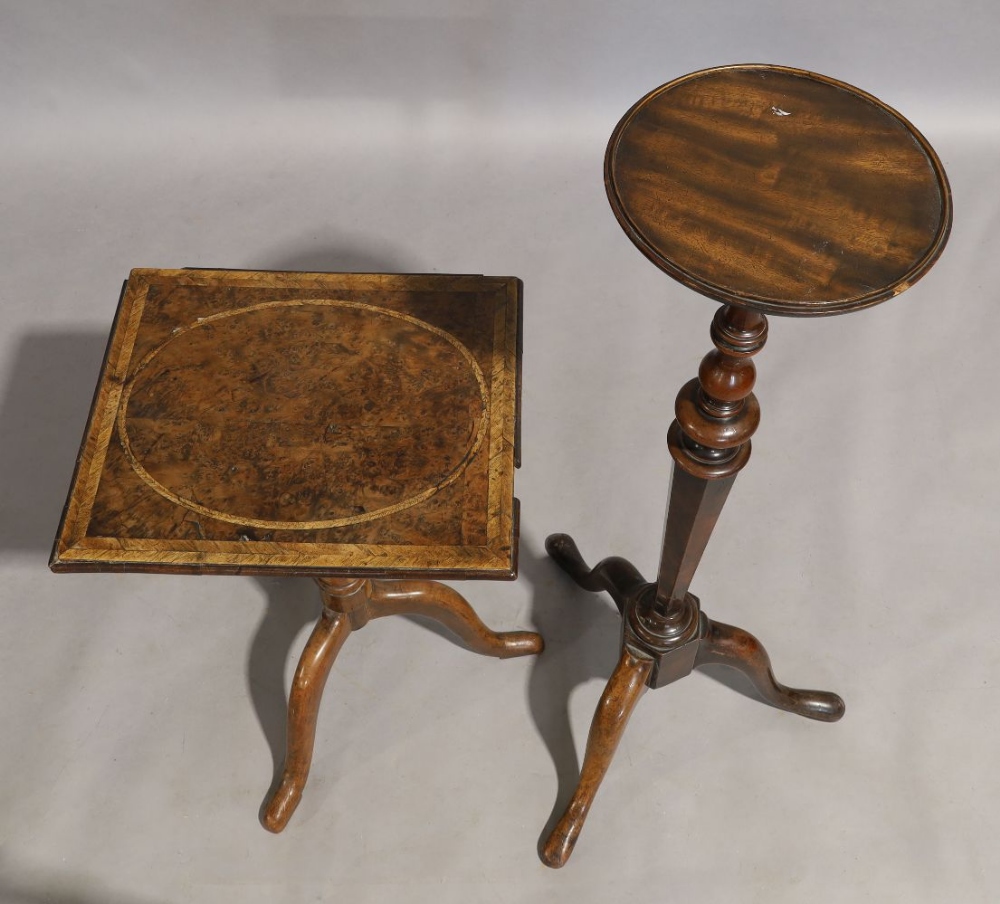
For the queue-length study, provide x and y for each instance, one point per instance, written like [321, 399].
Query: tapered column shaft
[664, 633]
[694, 507]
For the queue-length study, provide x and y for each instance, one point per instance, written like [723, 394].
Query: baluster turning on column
[665, 635]
[734, 181]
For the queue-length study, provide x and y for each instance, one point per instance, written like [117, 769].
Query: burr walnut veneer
[358, 428]
[774, 191]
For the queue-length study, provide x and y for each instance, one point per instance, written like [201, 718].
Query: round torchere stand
[773, 191]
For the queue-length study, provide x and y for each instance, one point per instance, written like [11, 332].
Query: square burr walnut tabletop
[359, 428]
[256, 422]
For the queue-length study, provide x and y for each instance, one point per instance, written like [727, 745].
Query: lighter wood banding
[280, 423]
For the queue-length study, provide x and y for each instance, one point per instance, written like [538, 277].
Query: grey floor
[141, 717]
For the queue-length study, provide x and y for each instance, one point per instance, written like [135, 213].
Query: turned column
[665, 635]
[716, 414]
[735, 182]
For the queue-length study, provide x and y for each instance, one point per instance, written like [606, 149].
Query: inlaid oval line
[434, 361]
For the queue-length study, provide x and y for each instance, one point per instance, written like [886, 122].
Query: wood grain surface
[778, 189]
[348, 605]
[288, 422]
[623, 691]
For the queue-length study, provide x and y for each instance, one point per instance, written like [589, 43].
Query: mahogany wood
[725, 645]
[694, 507]
[778, 189]
[614, 575]
[626, 685]
[712, 643]
[775, 191]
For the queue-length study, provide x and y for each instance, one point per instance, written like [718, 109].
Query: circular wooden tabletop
[778, 189]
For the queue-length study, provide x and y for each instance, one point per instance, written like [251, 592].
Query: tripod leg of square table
[313, 669]
[349, 604]
[447, 606]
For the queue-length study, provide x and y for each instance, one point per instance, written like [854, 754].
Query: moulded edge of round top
[768, 305]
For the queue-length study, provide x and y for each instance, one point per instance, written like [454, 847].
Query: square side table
[362, 429]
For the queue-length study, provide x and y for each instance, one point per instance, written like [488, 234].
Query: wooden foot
[734, 647]
[449, 607]
[349, 604]
[664, 633]
[618, 576]
[314, 667]
[626, 685]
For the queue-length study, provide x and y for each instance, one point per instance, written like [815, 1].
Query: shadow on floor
[45, 406]
[23, 886]
[581, 631]
[334, 257]
[50, 387]
[582, 642]
[293, 603]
